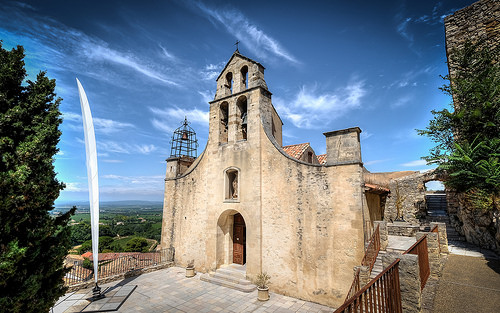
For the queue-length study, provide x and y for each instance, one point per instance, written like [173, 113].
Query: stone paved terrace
[168, 290]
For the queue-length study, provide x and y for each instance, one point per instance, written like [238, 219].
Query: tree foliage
[467, 136]
[33, 244]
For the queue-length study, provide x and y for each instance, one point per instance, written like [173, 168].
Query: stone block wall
[402, 229]
[479, 21]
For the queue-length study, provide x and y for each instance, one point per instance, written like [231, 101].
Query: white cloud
[415, 163]
[102, 125]
[146, 149]
[75, 187]
[365, 135]
[250, 35]
[206, 96]
[135, 179]
[168, 119]
[114, 147]
[112, 161]
[108, 126]
[311, 109]
[401, 101]
[100, 52]
[211, 71]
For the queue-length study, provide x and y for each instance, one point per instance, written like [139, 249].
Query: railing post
[443, 238]
[432, 252]
[409, 280]
[364, 274]
[384, 239]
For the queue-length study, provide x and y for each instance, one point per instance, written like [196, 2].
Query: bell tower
[242, 101]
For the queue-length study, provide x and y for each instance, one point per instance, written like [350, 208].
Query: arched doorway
[239, 240]
[231, 238]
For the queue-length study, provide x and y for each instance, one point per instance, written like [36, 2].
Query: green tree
[32, 244]
[137, 244]
[467, 136]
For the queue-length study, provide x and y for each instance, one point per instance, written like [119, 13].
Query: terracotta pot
[190, 272]
[263, 294]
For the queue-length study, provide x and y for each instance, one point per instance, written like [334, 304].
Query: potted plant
[262, 282]
[190, 269]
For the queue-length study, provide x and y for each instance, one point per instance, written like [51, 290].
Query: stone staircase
[231, 276]
[437, 212]
[377, 267]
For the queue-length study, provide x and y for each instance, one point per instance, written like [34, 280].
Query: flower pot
[190, 272]
[262, 294]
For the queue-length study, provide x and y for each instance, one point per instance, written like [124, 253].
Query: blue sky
[147, 64]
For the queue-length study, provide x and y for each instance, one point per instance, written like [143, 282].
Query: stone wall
[479, 21]
[412, 190]
[480, 227]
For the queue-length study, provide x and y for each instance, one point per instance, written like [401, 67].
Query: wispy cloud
[168, 119]
[311, 109]
[415, 163]
[251, 36]
[365, 135]
[402, 101]
[135, 179]
[110, 146]
[211, 71]
[62, 49]
[102, 125]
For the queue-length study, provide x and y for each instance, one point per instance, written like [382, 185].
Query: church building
[245, 200]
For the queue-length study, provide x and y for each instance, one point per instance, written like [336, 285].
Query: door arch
[231, 238]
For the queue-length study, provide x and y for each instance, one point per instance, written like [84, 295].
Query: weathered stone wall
[479, 21]
[402, 229]
[412, 190]
[480, 227]
[304, 222]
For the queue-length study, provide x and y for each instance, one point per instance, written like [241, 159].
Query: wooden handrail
[382, 294]
[372, 250]
[355, 286]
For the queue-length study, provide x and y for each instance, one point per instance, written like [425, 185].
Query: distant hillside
[110, 205]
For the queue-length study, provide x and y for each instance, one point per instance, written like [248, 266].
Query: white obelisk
[91, 153]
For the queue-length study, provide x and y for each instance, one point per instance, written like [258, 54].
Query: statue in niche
[235, 187]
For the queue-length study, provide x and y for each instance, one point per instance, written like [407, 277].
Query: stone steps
[437, 212]
[377, 267]
[232, 276]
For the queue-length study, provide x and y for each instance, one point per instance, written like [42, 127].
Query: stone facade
[304, 223]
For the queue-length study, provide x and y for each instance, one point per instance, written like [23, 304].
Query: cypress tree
[32, 243]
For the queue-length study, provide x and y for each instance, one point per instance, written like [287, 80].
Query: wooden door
[239, 240]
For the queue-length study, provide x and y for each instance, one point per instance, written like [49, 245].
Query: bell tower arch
[242, 103]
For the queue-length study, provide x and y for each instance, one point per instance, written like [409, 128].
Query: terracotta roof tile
[296, 151]
[322, 159]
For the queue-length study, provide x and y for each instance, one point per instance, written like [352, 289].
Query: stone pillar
[433, 252]
[384, 236]
[343, 147]
[409, 280]
[443, 238]
[364, 275]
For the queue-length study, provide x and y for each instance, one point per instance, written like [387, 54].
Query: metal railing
[372, 250]
[420, 248]
[355, 286]
[382, 294]
[122, 263]
[369, 259]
